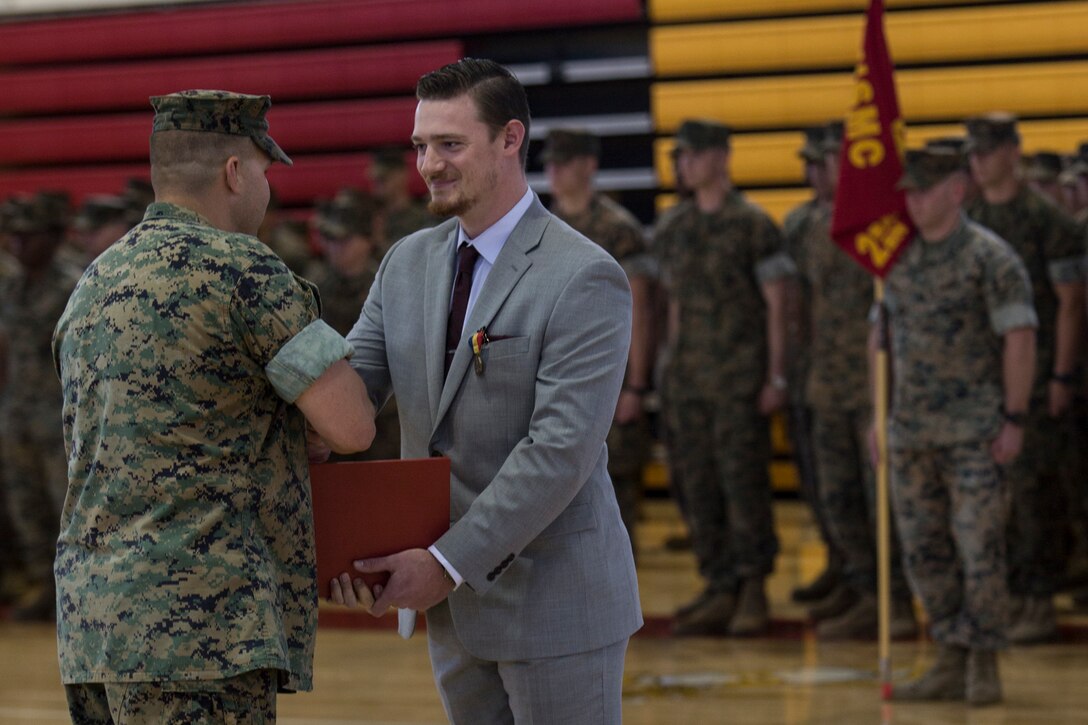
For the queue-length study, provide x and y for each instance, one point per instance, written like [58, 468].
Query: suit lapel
[509, 267]
[438, 286]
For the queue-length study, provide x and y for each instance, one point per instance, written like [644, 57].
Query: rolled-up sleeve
[304, 358]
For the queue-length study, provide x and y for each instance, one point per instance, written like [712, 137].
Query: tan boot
[751, 617]
[983, 682]
[903, 624]
[838, 601]
[819, 588]
[945, 680]
[694, 604]
[1035, 622]
[710, 618]
[859, 621]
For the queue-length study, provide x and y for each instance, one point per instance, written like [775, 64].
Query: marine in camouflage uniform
[31, 302]
[570, 158]
[962, 334]
[800, 224]
[186, 550]
[345, 232]
[837, 393]
[1048, 242]
[12, 583]
[398, 214]
[723, 265]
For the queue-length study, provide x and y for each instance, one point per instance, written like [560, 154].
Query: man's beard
[461, 203]
[451, 207]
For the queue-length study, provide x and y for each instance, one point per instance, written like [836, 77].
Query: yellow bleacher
[674, 11]
[948, 35]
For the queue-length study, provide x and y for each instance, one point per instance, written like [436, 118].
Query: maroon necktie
[462, 286]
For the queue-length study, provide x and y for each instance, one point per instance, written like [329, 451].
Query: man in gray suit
[531, 596]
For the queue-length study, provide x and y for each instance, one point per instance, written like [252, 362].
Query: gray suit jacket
[534, 526]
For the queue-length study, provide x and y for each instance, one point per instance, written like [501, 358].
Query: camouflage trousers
[847, 498]
[804, 456]
[9, 539]
[248, 699]
[1073, 474]
[721, 452]
[628, 449]
[951, 508]
[35, 479]
[1037, 508]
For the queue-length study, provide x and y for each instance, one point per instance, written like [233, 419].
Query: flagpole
[883, 528]
[870, 223]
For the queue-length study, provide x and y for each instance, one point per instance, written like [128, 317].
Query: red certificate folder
[364, 509]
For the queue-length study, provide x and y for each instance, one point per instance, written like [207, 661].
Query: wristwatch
[1065, 378]
[1017, 418]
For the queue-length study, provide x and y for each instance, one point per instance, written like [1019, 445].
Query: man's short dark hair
[498, 95]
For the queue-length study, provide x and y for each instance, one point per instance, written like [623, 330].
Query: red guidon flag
[870, 220]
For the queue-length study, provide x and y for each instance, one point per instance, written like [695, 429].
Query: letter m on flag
[870, 220]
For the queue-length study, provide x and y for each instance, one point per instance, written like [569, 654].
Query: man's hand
[317, 450]
[1058, 398]
[417, 581]
[1006, 447]
[771, 398]
[343, 590]
[874, 448]
[628, 407]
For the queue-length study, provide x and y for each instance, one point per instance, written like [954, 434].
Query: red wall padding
[188, 30]
[298, 128]
[295, 75]
[311, 177]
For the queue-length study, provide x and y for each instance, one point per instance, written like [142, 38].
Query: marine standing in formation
[570, 162]
[1052, 249]
[837, 393]
[962, 338]
[31, 302]
[725, 270]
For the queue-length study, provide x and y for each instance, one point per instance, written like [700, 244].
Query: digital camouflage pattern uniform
[798, 229]
[837, 393]
[248, 699]
[186, 548]
[617, 230]
[950, 303]
[713, 266]
[35, 474]
[399, 223]
[32, 297]
[1048, 242]
[342, 298]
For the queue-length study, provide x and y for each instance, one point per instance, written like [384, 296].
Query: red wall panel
[301, 127]
[284, 76]
[311, 177]
[250, 26]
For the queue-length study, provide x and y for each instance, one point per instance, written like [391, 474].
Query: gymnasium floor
[367, 675]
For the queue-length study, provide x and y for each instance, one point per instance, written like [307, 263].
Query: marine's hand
[1058, 398]
[771, 399]
[1006, 447]
[417, 581]
[628, 407]
[351, 593]
[317, 450]
[874, 448]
